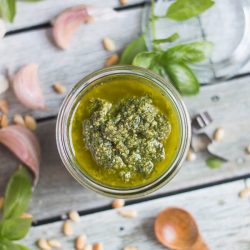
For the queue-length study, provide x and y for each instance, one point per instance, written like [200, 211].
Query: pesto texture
[127, 137]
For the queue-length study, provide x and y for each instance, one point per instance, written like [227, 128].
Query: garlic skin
[4, 83]
[24, 144]
[2, 29]
[27, 88]
[66, 23]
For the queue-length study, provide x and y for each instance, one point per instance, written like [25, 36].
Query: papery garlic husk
[66, 23]
[24, 144]
[4, 84]
[2, 29]
[27, 88]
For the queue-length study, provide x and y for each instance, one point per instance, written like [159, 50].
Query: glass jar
[64, 125]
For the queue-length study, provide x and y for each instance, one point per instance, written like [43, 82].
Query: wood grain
[31, 14]
[222, 216]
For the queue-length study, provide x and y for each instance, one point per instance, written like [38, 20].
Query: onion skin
[27, 88]
[24, 144]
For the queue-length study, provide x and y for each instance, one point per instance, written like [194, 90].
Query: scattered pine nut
[4, 106]
[130, 248]
[123, 2]
[112, 60]
[219, 134]
[4, 121]
[30, 122]
[1, 202]
[26, 216]
[18, 120]
[191, 156]
[74, 216]
[108, 44]
[245, 193]
[59, 88]
[98, 246]
[54, 243]
[248, 149]
[128, 213]
[118, 203]
[81, 241]
[67, 228]
[88, 247]
[43, 244]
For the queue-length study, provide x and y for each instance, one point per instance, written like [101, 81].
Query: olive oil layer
[113, 89]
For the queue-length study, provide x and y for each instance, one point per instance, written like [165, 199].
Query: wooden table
[211, 195]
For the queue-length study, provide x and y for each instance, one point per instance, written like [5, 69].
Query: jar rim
[65, 150]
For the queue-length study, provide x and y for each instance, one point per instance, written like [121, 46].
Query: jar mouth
[65, 147]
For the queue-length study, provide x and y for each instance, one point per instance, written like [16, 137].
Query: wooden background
[211, 195]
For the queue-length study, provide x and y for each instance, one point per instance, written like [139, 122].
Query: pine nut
[128, 213]
[18, 120]
[112, 60]
[81, 241]
[248, 149]
[54, 243]
[4, 121]
[30, 122]
[74, 216]
[108, 44]
[130, 248]
[88, 247]
[67, 228]
[118, 203]
[123, 2]
[98, 246]
[245, 193]
[219, 134]
[26, 216]
[43, 244]
[59, 88]
[191, 156]
[4, 106]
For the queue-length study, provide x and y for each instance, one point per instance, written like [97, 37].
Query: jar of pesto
[123, 132]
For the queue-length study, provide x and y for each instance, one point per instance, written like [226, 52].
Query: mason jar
[64, 131]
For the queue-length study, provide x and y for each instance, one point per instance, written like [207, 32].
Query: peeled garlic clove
[24, 144]
[4, 83]
[2, 29]
[67, 23]
[27, 87]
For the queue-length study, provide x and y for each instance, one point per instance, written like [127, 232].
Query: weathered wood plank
[230, 112]
[222, 216]
[85, 54]
[30, 14]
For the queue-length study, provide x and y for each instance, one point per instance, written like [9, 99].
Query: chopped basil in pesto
[127, 137]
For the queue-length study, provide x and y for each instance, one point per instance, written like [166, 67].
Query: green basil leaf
[15, 229]
[136, 46]
[169, 39]
[8, 9]
[144, 59]
[8, 245]
[21, 247]
[183, 78]
[214, 162]
[189, 53]
[18, 194]
[182, 10]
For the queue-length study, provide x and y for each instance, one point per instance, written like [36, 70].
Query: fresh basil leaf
[8, 245]
[136, 46]
[189, 53]
[182, 10]
[15, 229]
[18, 194]
[183, 78]
[21, 247]
[214, 162]
[8, 9]
[144, 59]
[169, 39]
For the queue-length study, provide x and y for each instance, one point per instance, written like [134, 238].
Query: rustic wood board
[55, 182]
[222, 216]
[31, 14]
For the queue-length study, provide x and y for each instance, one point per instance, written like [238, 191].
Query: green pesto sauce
[128, 161]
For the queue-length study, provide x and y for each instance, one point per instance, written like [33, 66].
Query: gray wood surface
[229, 112]
[223, 218]
[31, 14]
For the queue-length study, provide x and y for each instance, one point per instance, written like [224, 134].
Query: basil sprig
[17, 198]
[173, 63]
[182, 10]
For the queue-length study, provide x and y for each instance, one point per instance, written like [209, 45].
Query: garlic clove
[27, 87]
[4, 83]
[65, 25]
[24, 144]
